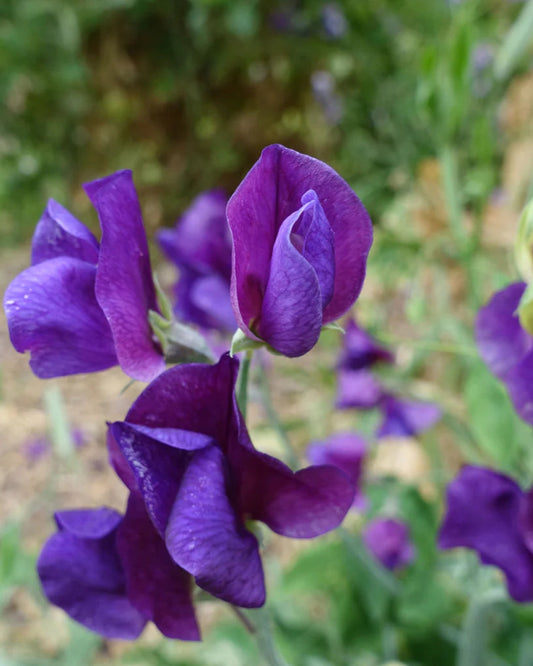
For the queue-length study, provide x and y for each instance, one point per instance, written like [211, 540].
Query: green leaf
[519, 39]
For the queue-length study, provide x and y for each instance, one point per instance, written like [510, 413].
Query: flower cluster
[284, 258]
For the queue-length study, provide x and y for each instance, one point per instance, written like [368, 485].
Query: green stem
[265, 637]
[448, 160]
[274, 420]
[242, 389]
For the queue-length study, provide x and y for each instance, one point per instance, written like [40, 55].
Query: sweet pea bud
[524, 244]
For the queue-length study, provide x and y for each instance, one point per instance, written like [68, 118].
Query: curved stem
[242, 388]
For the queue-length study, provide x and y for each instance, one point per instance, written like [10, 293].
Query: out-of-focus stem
[242, 388]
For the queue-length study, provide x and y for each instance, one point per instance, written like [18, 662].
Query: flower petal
[205, 537]
[81, 572]
[405, 418]
[483, 514]
[360, 350]
[60, 234]
[193, 397]
[388, 540]
[157, 587]
[519, 382]
[291, 314]
[210, 295]
[359, 389]
[157, 468]
[52, 312]
[300, 504]
[501, 340]
[124, 286]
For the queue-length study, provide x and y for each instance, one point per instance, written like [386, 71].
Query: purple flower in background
[113, 574]
[346, 451]
[300, 242]
[83, 306]
[323, 87]
[388, 540]
[358, 389]
[507, 348]
[334, 20]
[185, 449]
[405, 418]
[360, 350]
[200, 246]
[36, 448]
[489, 513]
[482, 56]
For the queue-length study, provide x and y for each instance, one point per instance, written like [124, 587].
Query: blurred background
[426, 109]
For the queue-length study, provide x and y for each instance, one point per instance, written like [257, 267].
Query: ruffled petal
[405, 418]
[360, 350]
[81, 572]
[124, 286]
[60, 234]
[501, 340]
[483, 513]
[157, 587]
[300, 504]
[206, 538]
[52, 312]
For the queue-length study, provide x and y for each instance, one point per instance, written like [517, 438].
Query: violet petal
[157, 587]
[501, 340]
[483, 513]
[357, 389]
[406, 418]
[81, 572]
[205, 537]
[124, 286]
[388, 540]
[52, 312]
[59, 234]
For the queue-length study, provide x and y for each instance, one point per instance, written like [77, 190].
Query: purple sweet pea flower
[405, 418]
[113, 574]
[185, 448]
[388, 540]
[507, 348]
[346, 451]
[334, 20]
[489, 513]
[358, 389]
[200, 246]
[83, 306]
[323, 87]
[300, 242]
[360, 350]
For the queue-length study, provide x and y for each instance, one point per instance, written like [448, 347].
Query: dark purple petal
[194, 397]
[519, 382]
[359, 389]
[60, 234]
[483, 514]
[501, 340]
[388, 540]
[177, 438]
[206, 538]
[124, 286]
[268, 195]
[81, 572]
[526, 519]
[405, 418]
[291, 315]
[52, 312]
[158, 470]
[157, 587]
[360, 350]
[344, 450]
[301, 504]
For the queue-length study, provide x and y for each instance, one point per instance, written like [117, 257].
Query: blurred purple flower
[405, 418]
[334, 20]
[489, 513]
[323, 87]
[347, 452]
[113, 574]
[200, 246]
[185, 449]
[300, 242]
[388, 540]
[357, 389]
[36, 448]
[83, 306]
[482, 56]
[507, 348]
[360, 350]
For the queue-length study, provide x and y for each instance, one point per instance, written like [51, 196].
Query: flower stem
[242, 388]
[274, 420]
[261, 630]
